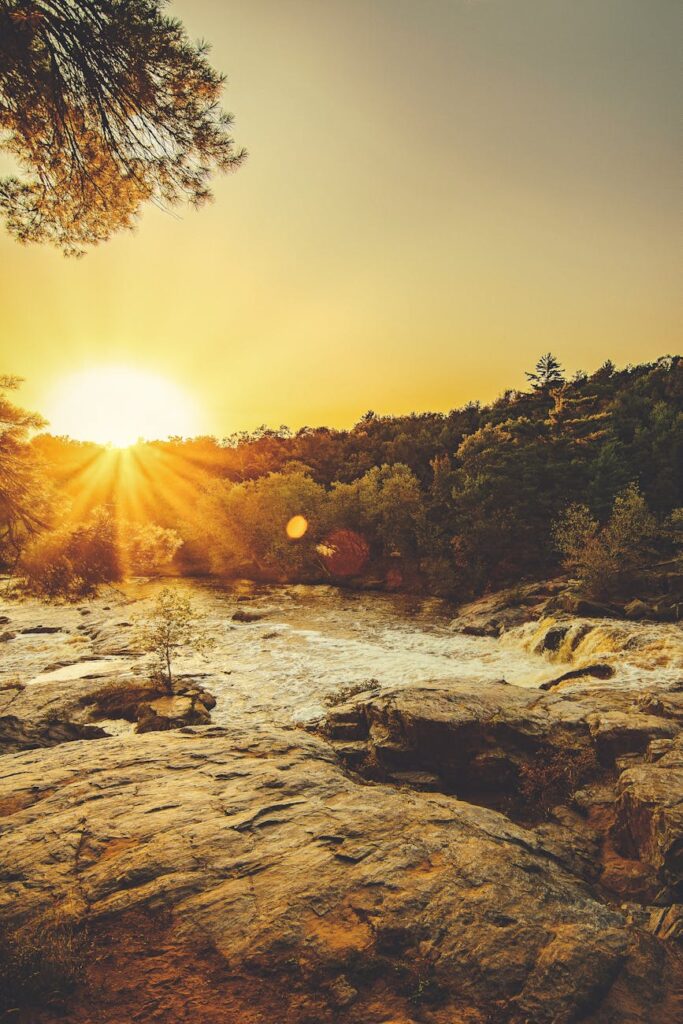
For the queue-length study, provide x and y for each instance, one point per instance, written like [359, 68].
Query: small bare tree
[172, 624]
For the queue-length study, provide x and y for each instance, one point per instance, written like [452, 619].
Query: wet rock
[333, 899]
[249, 615]
[552, 639]
[637, 609]
[17, 735]
[597, 671]
[491, 629]
[493, 614]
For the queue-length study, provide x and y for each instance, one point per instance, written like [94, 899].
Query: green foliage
[455, 503]
[606, 560]
[24, 491]
[148, 547]
[546, 374]
[72, 560]
[172, 624]
[105, 106]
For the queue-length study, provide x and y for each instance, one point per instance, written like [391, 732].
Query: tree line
[450, 503]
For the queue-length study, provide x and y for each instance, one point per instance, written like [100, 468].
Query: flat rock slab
[360, 903]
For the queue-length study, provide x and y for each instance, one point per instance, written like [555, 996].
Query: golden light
[118, 405]
[296, 527]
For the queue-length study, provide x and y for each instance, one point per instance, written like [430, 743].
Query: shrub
[73, 560]
[606, 559]
[552, 775]
[172, 624]
[41, 964]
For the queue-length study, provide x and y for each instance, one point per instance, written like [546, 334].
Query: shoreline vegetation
[581, 476]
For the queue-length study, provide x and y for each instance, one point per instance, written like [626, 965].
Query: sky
[437, 192]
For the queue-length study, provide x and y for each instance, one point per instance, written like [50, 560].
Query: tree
[105, 105]
[23, 495]
[173, 624]
[74, 559]
[607, 559]
[546, 374]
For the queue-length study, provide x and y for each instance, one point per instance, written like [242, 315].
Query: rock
[618, 732]
[41, 629]
[597, 671]
[171, 713]
[493, 614]
[587, 609]
[479, 742]
[4, 620]
[637, 609]
[649, 817]
[242, 875]
[552, 639]
[249, 615]
[201, 695]
[491, 629]
[121, 698]
[665, 612]
[7, 635]
[17, 735]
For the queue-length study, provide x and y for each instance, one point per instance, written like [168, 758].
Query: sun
[119, 405]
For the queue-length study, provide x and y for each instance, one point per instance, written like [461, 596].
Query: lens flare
[296, 527]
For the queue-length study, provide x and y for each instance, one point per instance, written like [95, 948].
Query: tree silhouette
[546, 374]
[22, 495]
[104, 104]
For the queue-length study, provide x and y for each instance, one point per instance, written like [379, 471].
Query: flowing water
[311, 641]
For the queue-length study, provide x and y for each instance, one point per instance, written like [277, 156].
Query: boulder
[626, 732]
[597, 671]
[237, 875]
[585, 608]
[649, 817]
[172, 712]
[249, 615]
[637, 609]
[488, 744]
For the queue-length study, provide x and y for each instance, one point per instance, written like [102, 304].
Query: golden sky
[437, 192]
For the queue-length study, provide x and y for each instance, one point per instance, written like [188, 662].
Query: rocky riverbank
[445, 850]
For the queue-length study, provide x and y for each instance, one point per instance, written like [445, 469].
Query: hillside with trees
[582, 475]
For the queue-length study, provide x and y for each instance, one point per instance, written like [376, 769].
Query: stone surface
[649, 817]
[260, 874]
[314, 896]
[16, 734]
[171, 713]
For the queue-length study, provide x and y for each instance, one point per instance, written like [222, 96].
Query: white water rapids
[311, 641]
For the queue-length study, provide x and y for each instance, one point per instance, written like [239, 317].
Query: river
[310, 642]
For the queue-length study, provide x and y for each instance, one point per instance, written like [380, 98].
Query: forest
[582, 475]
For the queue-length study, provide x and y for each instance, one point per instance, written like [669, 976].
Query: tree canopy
[105, 105]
